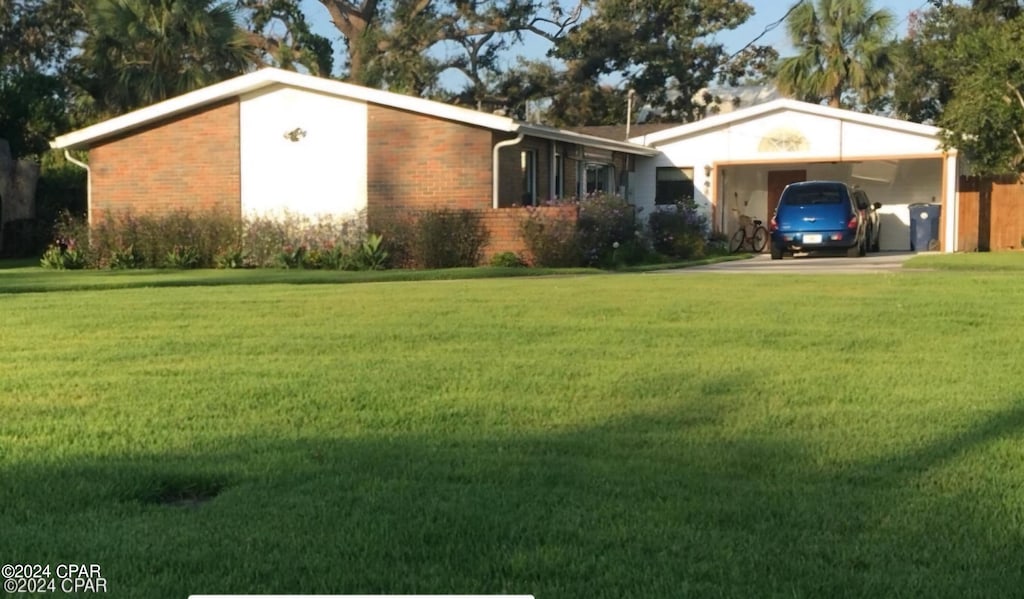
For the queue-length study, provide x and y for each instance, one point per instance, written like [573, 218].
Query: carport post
[950, 205]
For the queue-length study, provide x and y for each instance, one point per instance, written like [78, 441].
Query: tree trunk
[18, 179]
[353, 21]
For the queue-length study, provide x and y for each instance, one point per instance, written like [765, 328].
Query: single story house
[276, 140]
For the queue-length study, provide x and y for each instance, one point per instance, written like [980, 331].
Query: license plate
[814, 238]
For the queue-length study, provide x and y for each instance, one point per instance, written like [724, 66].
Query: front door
[777, 181]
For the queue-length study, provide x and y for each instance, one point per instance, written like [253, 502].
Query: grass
[636, 435]
[1005, 261]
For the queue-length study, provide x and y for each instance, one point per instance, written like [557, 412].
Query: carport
[740, 161]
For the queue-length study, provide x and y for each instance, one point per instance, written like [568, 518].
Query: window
[673, 185]
[813, 197]
[528, 167]
[559, 190]
[600, 178]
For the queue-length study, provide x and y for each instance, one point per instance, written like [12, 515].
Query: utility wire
[767, 29]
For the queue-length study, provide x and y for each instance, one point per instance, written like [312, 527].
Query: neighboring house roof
[782, 105]
[618, 132]
[269, 77]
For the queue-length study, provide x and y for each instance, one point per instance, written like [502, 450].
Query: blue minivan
[818, 215]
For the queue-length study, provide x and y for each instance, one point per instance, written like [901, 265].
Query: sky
[766, 12]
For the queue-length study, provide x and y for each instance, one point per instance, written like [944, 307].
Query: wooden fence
[991, 214]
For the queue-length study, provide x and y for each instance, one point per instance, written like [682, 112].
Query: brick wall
[420, 162]
[511, 188]
[188, 162]
[506, 224]
[417, 162]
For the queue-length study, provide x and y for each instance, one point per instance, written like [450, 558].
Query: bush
[507, 260]
[717, 244]
[680, 231]
[183, 256]
[62, 257]
[176, 240]
[185, 240]
[126, 258]
[371, 254]
[605, 224]
[449, 238]
[551, 238]
[603, 234]
[397, 232]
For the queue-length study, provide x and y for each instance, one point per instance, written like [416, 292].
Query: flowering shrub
[208, 239]
[605, 224]
[680, 231]
[551, 237]
[603, 233]
[297, 241]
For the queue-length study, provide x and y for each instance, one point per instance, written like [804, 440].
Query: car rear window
[810, 197]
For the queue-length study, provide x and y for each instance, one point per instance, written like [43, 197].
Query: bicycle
[755, 241]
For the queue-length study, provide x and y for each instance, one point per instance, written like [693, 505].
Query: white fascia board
[782, 104]
[268, 77]
[177, 105]
[586, 140]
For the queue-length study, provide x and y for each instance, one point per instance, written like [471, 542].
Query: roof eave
[587, 140]
[787, 104]
[263, 78]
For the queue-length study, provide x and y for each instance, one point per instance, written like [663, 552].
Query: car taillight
[773, 225]
[854, 222]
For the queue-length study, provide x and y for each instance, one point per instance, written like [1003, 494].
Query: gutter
[88, 183]
[494, 166]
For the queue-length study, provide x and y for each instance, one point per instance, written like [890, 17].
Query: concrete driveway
[805, 264]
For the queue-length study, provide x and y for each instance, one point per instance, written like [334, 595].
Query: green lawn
[627, 435]
[971, 261]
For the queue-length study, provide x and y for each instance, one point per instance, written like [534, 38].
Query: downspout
[88, 183]
[494, 167]
[552, 153]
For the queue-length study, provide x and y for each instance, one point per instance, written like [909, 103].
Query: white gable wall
[322, 172]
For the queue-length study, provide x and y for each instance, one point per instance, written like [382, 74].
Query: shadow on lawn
[643, 507]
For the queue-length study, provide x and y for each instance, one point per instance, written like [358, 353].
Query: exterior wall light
[295, 134]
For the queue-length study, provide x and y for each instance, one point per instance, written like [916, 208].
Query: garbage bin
[924, 226]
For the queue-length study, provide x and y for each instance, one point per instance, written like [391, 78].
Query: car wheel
[862, 248]
[776, 252]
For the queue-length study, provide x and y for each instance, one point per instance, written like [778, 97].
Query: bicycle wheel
[760, 239]
[736, 241]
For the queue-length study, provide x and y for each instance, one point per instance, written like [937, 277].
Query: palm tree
[841, 50]
[137, 52]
